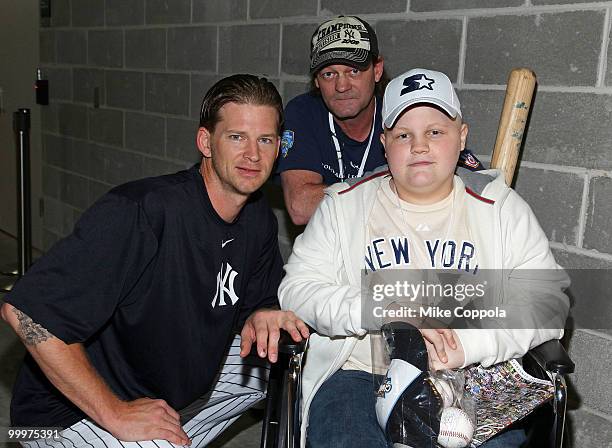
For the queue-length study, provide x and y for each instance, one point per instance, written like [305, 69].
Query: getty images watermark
[457, 299]
[408, 292]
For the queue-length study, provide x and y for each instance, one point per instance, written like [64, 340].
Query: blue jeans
[342, 414]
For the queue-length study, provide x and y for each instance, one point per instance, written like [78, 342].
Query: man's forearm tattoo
[31, 332]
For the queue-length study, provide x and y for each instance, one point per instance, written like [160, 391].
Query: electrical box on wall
[42, 89]
[45, 9]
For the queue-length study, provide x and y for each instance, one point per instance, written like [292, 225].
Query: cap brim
[361, 65]
[395, 113]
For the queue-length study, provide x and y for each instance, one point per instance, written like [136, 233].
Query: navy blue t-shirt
[154, 284]
[307, 143]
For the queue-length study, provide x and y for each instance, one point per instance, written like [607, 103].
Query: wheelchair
[281, 423]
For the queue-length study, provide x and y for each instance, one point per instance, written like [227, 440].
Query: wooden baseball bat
[519, 92]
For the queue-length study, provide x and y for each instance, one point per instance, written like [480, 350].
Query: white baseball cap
[419, 86]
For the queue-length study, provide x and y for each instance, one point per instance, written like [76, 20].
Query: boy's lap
[342, 414]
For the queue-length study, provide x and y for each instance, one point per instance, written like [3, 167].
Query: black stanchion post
[21, 125]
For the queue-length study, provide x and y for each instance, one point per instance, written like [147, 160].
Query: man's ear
[316, 82]
[464, 134]
[203, 140]
[379, 67]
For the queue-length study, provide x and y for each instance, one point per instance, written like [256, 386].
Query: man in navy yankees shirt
[332, 133]
[130, 321]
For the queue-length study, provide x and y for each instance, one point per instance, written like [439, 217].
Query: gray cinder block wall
[127, 77]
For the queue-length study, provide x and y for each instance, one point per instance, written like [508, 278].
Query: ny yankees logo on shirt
[416, 82]
[225, 285]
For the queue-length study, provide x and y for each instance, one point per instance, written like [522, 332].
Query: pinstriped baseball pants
[241, 383]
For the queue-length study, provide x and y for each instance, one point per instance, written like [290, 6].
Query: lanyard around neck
[339, 151]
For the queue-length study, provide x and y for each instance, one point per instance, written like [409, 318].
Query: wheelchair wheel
[283, 413]
[275, 424]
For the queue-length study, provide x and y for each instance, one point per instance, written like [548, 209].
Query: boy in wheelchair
[419, 204]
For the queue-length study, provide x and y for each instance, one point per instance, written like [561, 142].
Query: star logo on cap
[417, 82]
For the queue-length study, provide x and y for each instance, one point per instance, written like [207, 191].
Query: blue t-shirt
[307, 142]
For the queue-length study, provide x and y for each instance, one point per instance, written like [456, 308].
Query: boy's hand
[439, 339]
[449, 356]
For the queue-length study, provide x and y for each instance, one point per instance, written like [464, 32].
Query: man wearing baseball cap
[418, 215]
[332, 133]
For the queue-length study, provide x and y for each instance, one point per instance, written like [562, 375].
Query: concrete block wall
[127, 77]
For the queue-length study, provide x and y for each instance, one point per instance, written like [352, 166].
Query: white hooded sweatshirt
[323, 275]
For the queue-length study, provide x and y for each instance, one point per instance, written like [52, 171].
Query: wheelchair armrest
[288, 346]
[551, 356]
